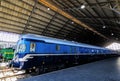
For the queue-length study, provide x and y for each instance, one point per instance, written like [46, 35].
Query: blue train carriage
[35, 51]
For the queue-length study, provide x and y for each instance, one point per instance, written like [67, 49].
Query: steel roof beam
[34, 17]
[65, 24]
[105, 19]
[96, 12]
[26, 25]
[72, 31]
[101, 3]
[56, 9]
[26, 20]
[34, 12]
[104, 23]
[89, 13]
[75, 11]
[66, 6]
[49, 23]
[117, 17]
[100, 24]
[80, 11]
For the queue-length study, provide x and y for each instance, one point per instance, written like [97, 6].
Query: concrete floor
[105, 70]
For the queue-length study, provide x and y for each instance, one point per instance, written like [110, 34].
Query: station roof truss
[89, 21]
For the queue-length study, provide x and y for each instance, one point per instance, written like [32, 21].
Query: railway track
[12, 75]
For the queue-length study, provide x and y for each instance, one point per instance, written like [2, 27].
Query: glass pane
[32, 47]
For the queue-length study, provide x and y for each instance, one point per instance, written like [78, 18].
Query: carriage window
[21, 48]
[71, 49]
[75, 49]
[57, 47]
[32, 47]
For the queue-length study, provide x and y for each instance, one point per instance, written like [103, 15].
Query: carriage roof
[57, 41]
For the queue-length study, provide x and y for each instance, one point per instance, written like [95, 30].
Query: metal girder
[49, 23]
[82, 11]
[29, 22]
[30, 16]
[28, 11]
[56, 9]
[62, 27]
[72, 32]
[104, 23]
[0, 2]
[118, 4]
[116, 17]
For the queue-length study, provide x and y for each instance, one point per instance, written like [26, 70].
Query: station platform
[104, 70]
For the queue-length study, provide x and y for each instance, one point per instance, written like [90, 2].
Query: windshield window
[21, 48]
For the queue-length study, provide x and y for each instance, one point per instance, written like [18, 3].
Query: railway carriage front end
[23, 53]
[34, 52]
[31, 53]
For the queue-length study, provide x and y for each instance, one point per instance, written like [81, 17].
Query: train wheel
[27, 71]
[40, 70]
[43, 69]
[37, 71]
[61, 66]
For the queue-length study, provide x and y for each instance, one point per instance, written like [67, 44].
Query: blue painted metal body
[46, 46]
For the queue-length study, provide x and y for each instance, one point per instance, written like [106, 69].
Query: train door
[74, 50]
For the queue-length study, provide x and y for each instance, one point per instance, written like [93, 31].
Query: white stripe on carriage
[30, 56]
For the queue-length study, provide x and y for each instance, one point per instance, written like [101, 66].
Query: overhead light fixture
[48, 8]
[112, 34]
[104, 26]
[82, 6]
[30, 26]
[116, 38]
[72, 22]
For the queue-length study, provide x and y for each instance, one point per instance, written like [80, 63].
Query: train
[6, 54]
[34, 51]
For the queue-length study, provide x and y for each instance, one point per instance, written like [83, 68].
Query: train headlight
[22, 48]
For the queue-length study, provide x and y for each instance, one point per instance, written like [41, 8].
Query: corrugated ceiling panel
[45, 9]
[40, 18]
[13, 7]
[12, 22]
[39, 22]
[10, 17]
[10, 30]
[14, 13]
[10, 26]
[33, 24]
[56, 24]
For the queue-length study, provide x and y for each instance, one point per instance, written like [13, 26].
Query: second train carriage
[35, 50]
[7, 53]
